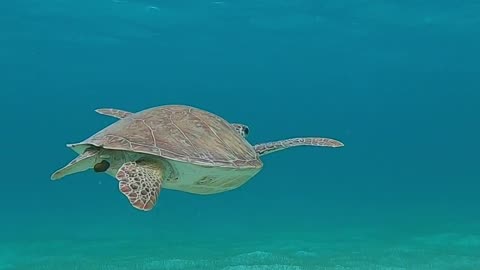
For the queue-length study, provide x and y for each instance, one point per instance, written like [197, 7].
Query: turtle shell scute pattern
[180, 133]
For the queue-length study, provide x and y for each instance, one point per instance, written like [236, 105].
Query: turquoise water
[396, 81]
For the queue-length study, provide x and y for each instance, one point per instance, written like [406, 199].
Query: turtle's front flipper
[83, 162]
[267, 148]
[141, 182]
[113, 112]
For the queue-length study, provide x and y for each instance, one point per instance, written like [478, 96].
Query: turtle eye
[101, 166]
[246, 130]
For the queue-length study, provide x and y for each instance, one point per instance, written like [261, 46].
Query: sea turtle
[175, 147]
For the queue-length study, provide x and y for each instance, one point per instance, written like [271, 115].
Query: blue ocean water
[396, 81]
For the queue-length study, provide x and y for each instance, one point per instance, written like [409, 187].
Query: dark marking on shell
[101, 166]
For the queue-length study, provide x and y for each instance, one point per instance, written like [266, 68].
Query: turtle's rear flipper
[141, 182]
[83, 162]
[113, 112]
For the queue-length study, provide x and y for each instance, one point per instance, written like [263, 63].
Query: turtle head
[241, 129]
[98, 159]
